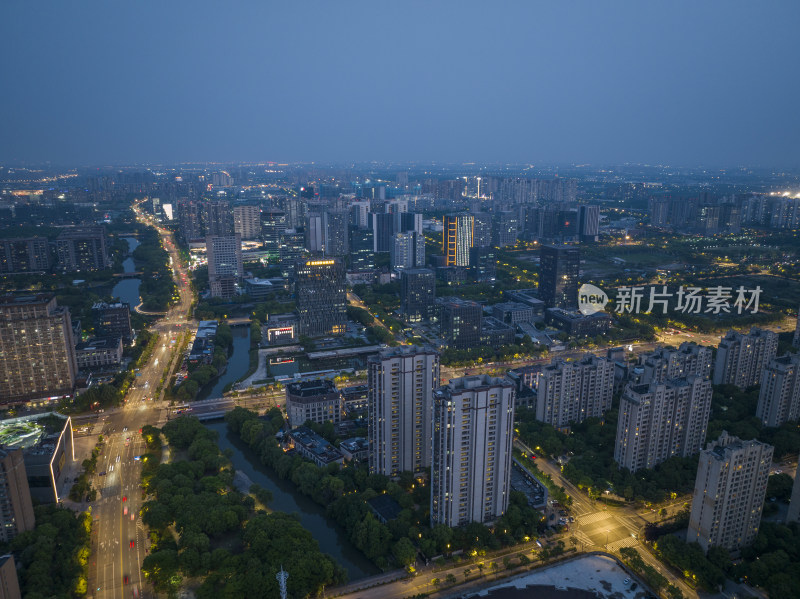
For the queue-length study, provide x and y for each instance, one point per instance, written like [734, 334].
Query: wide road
[119, 541]
[599, 526]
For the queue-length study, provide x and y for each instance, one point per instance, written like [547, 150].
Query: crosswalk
[592, 518]
[625, 542]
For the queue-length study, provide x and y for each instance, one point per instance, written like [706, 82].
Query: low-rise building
[355, 399]
[203, 345]
[355, 449]
[313, 447]
[515, 313]
[99, 352]
[496, 333]
[280, 328]
[575, 324]
[318, 401]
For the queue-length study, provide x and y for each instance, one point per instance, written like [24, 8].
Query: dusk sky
[686, 83]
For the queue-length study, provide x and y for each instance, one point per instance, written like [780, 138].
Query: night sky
[678, 83]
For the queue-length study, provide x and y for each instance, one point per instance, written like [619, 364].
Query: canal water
[128, 289]
[331, 538]
[238, 363]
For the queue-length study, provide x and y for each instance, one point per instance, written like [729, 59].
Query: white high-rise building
[741, 358]
[729, 493]
[401, 383]
[407, 250]
[247, 221]
[224, 264]
[473, 431]
[670, 363]
[571, 392]
[779, 396]
[660, 420]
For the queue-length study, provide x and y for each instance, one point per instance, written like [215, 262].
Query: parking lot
[527, 484]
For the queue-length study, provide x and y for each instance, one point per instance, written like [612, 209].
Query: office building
[577, 324]
[407, 251]
[729, 493]
[506, 228]
[16, 508]
[225, 268]
[418, 294]
[742, 357]
[335, 223]
[9, 581]
[481, 229]
[779, 396]
[473, 430]
[669, 363]
[660, 420]
[37, 350]
[405, 222]
[247, 221]
[513, 313]
[558, 276]
[460, 322]
[190, 222]
[47, 450]
[321, 295]
[112, 320]
[31, 254]
[457, 236]
[218, 218]
[362, 250]
[401, 383]
[314, 232]
[496, 333]
[570, 392]
[273, 226]
[82, 249]
[483, 264]
[98, 353]
[383, 230]
[315, 401]
[588, 222]
[794, 502]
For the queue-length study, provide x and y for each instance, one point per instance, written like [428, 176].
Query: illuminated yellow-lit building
[321, 295]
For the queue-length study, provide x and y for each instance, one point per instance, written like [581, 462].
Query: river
[128, 289]
[238, 363]
[331, 538]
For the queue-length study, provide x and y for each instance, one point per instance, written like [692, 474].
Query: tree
[404, 552]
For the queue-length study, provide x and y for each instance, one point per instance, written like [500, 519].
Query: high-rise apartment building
[335, 223]
[662, 420]
[82, 249]
[37, 350]
[359, 215]
[742, 357]
[571, 392]
[9, 581]
[218, 218]
[796, 338]
[315, 232]
[225, 268]
[405, 222]
[407, 250]
[506, 228]
[16, 508]
[457, 237]
[729, 493]
[113, 320]
[669, 363]
[418, 294]
[321, 295]
[460, 322]
[189, 218]
[481, 230]
[473, 431]
[558, 276]
[31, 254]
[247, 221]
[779, 396]
[401, 383]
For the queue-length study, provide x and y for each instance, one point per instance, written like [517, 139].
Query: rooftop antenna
[282, 576]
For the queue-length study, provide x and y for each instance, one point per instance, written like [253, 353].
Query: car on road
[125, 579]
[132, 544]
[124, 498]
[626, 581]
[103, 473]
[125, 510]
[118, 458]
[634, 586]
[133, 516]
